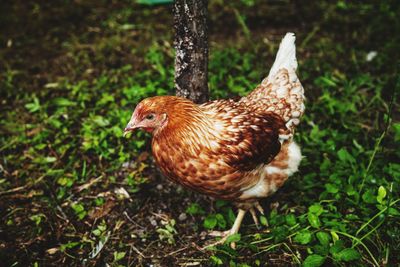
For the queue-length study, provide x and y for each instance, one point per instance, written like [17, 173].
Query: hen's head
[154, 113]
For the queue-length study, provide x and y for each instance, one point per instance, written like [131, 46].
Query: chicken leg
[234, 230]
[236, 225]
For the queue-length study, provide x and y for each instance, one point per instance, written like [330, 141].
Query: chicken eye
[150, 117]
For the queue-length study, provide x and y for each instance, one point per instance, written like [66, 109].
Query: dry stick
[131, 220]
[138, 252]
[88, 184]
[176, 251]
[22, 188]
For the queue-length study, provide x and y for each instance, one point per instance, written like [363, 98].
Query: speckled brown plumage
[239, 150]
[217, 146]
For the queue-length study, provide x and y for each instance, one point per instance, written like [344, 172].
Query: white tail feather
[286, 56]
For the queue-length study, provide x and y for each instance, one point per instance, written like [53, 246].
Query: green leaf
[317, 209]
[279, 233]
[62, 102]
[220, 203]
[320, 249]
[263, 220]
[63, 247]
[324, 238]
[231, 216]
[369, 197]
[331, 188]
[352, 217]
[314, 220]
[210, 222]
[337, 247]
[34, 106]
[119, 255]
[347, 254]
[350, 190]
[79, 210]
[233, 238]
[381, 194]
[100, 121]
[396, 129]
[65, 181]
[216, 260]
[335, 236]
[327, 81]
[96, 232]
[37, 218]
[194, 209]
[345, 156]
[290, 219]
[394, 212]
[44, 160]
[304, 237]
[220, 220]
[313, 261]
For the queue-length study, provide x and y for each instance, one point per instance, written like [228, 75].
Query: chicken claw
[259, 208]
[226, 234]
[255, 218]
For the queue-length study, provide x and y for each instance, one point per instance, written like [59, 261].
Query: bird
[240, 150]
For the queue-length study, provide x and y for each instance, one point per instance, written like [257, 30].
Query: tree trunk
[191, 46]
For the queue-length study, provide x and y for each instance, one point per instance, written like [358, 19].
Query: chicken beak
[126, 131]
[133, 124]
[129, 128]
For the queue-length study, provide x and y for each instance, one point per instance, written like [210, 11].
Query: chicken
[237, 150]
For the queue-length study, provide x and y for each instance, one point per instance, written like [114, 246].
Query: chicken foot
[254, 214]
[236, 225]
[234, 230]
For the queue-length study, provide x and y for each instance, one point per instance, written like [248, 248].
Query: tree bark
[191, 46]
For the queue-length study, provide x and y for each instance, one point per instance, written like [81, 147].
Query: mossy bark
[191, 45]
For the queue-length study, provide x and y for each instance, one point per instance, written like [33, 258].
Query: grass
[73, 191]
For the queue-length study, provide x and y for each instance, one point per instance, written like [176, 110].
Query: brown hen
[234, 150]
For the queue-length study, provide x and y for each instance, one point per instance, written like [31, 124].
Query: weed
[66, 99]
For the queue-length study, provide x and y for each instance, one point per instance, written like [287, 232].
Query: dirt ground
[45, 43]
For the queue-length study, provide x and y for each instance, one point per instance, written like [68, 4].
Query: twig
[131, 220]
[63, 215]
[161, 216]
[21, 188]
[176, 251]
[88, 184]
[138, 252]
